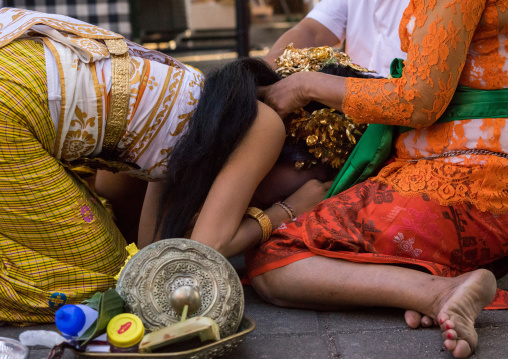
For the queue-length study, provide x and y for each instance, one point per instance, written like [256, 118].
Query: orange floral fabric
[372, 223]
[447, 42]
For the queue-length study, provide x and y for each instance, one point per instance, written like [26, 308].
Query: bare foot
[458, 310]
[415, 319]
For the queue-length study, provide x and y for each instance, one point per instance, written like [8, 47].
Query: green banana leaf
[109, 304]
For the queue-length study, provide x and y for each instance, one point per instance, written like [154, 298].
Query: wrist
[326, 89]
[263, 220]
[287, 209]
[277, 216]
[308, 90]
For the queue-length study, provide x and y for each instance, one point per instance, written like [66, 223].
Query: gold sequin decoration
[120, 93]
[312, 59]
[329, 134]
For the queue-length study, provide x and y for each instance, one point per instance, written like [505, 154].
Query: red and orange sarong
[372, 223]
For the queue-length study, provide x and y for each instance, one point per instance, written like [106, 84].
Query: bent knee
[270, 287]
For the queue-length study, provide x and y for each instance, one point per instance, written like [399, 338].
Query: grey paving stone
[42, 353]
[274, 320]
[493, 343]
[489, 318]
[381, 344]
[362, 319]
[251, 297]
[282, 347]
[377, 333]
[36, 352]
[503, 283]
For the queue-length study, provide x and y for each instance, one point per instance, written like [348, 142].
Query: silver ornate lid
[160, 272]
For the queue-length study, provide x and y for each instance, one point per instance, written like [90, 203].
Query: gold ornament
[312, 59]
[329, 134]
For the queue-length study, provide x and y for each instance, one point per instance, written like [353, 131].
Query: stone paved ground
[369, 333]
[372, 333]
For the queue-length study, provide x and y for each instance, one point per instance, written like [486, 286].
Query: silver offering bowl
[159, 281]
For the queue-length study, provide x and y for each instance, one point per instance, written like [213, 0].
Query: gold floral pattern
[197, 80]
[162, 164]
[163, 94]
[22, 20]
[138, 84]
[96, 50]
[165, 103]
[181, 125]
[75, 64]
[163, 126]
[152, 83]
[79, 142]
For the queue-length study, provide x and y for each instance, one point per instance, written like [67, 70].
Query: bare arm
[299, 89]
[219, 220]
[418, 98]
[220, 223]
[307, 33]
[148, 218]
[249, 232]
[126, 195]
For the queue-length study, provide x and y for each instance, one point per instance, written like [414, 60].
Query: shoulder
[267, 117]
[265, 110]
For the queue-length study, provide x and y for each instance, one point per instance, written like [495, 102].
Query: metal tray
[212, 350]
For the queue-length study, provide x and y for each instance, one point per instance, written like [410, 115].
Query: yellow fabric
[57, 243]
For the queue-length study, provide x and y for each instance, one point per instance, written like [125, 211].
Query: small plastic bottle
[46, 338]
[125, 332]
[72, 320]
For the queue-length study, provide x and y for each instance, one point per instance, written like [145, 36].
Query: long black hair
[224, 114]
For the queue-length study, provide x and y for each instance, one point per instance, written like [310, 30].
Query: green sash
[374, 147]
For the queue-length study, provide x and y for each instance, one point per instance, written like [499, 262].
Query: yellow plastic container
[125, 331]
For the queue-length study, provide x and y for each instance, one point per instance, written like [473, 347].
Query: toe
[426, 321]
[462, 349]
[442, 318]
[449, 335]
[450, 345]
[413, 319]
[447, 325]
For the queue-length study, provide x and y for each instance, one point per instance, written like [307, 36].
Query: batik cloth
[158, 99]
[62, 84]
[372, 223]
[57, 243]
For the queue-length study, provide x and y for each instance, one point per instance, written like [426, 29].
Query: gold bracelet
[263, 220]
[287, 208]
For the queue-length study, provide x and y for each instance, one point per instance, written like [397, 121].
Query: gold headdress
[312, 59]
[329, 134]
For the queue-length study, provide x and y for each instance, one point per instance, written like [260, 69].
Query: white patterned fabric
[163, 93]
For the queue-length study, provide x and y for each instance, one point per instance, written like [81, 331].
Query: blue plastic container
[72, 320]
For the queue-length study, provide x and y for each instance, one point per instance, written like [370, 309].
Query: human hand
[287, 95]
[308, 196]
